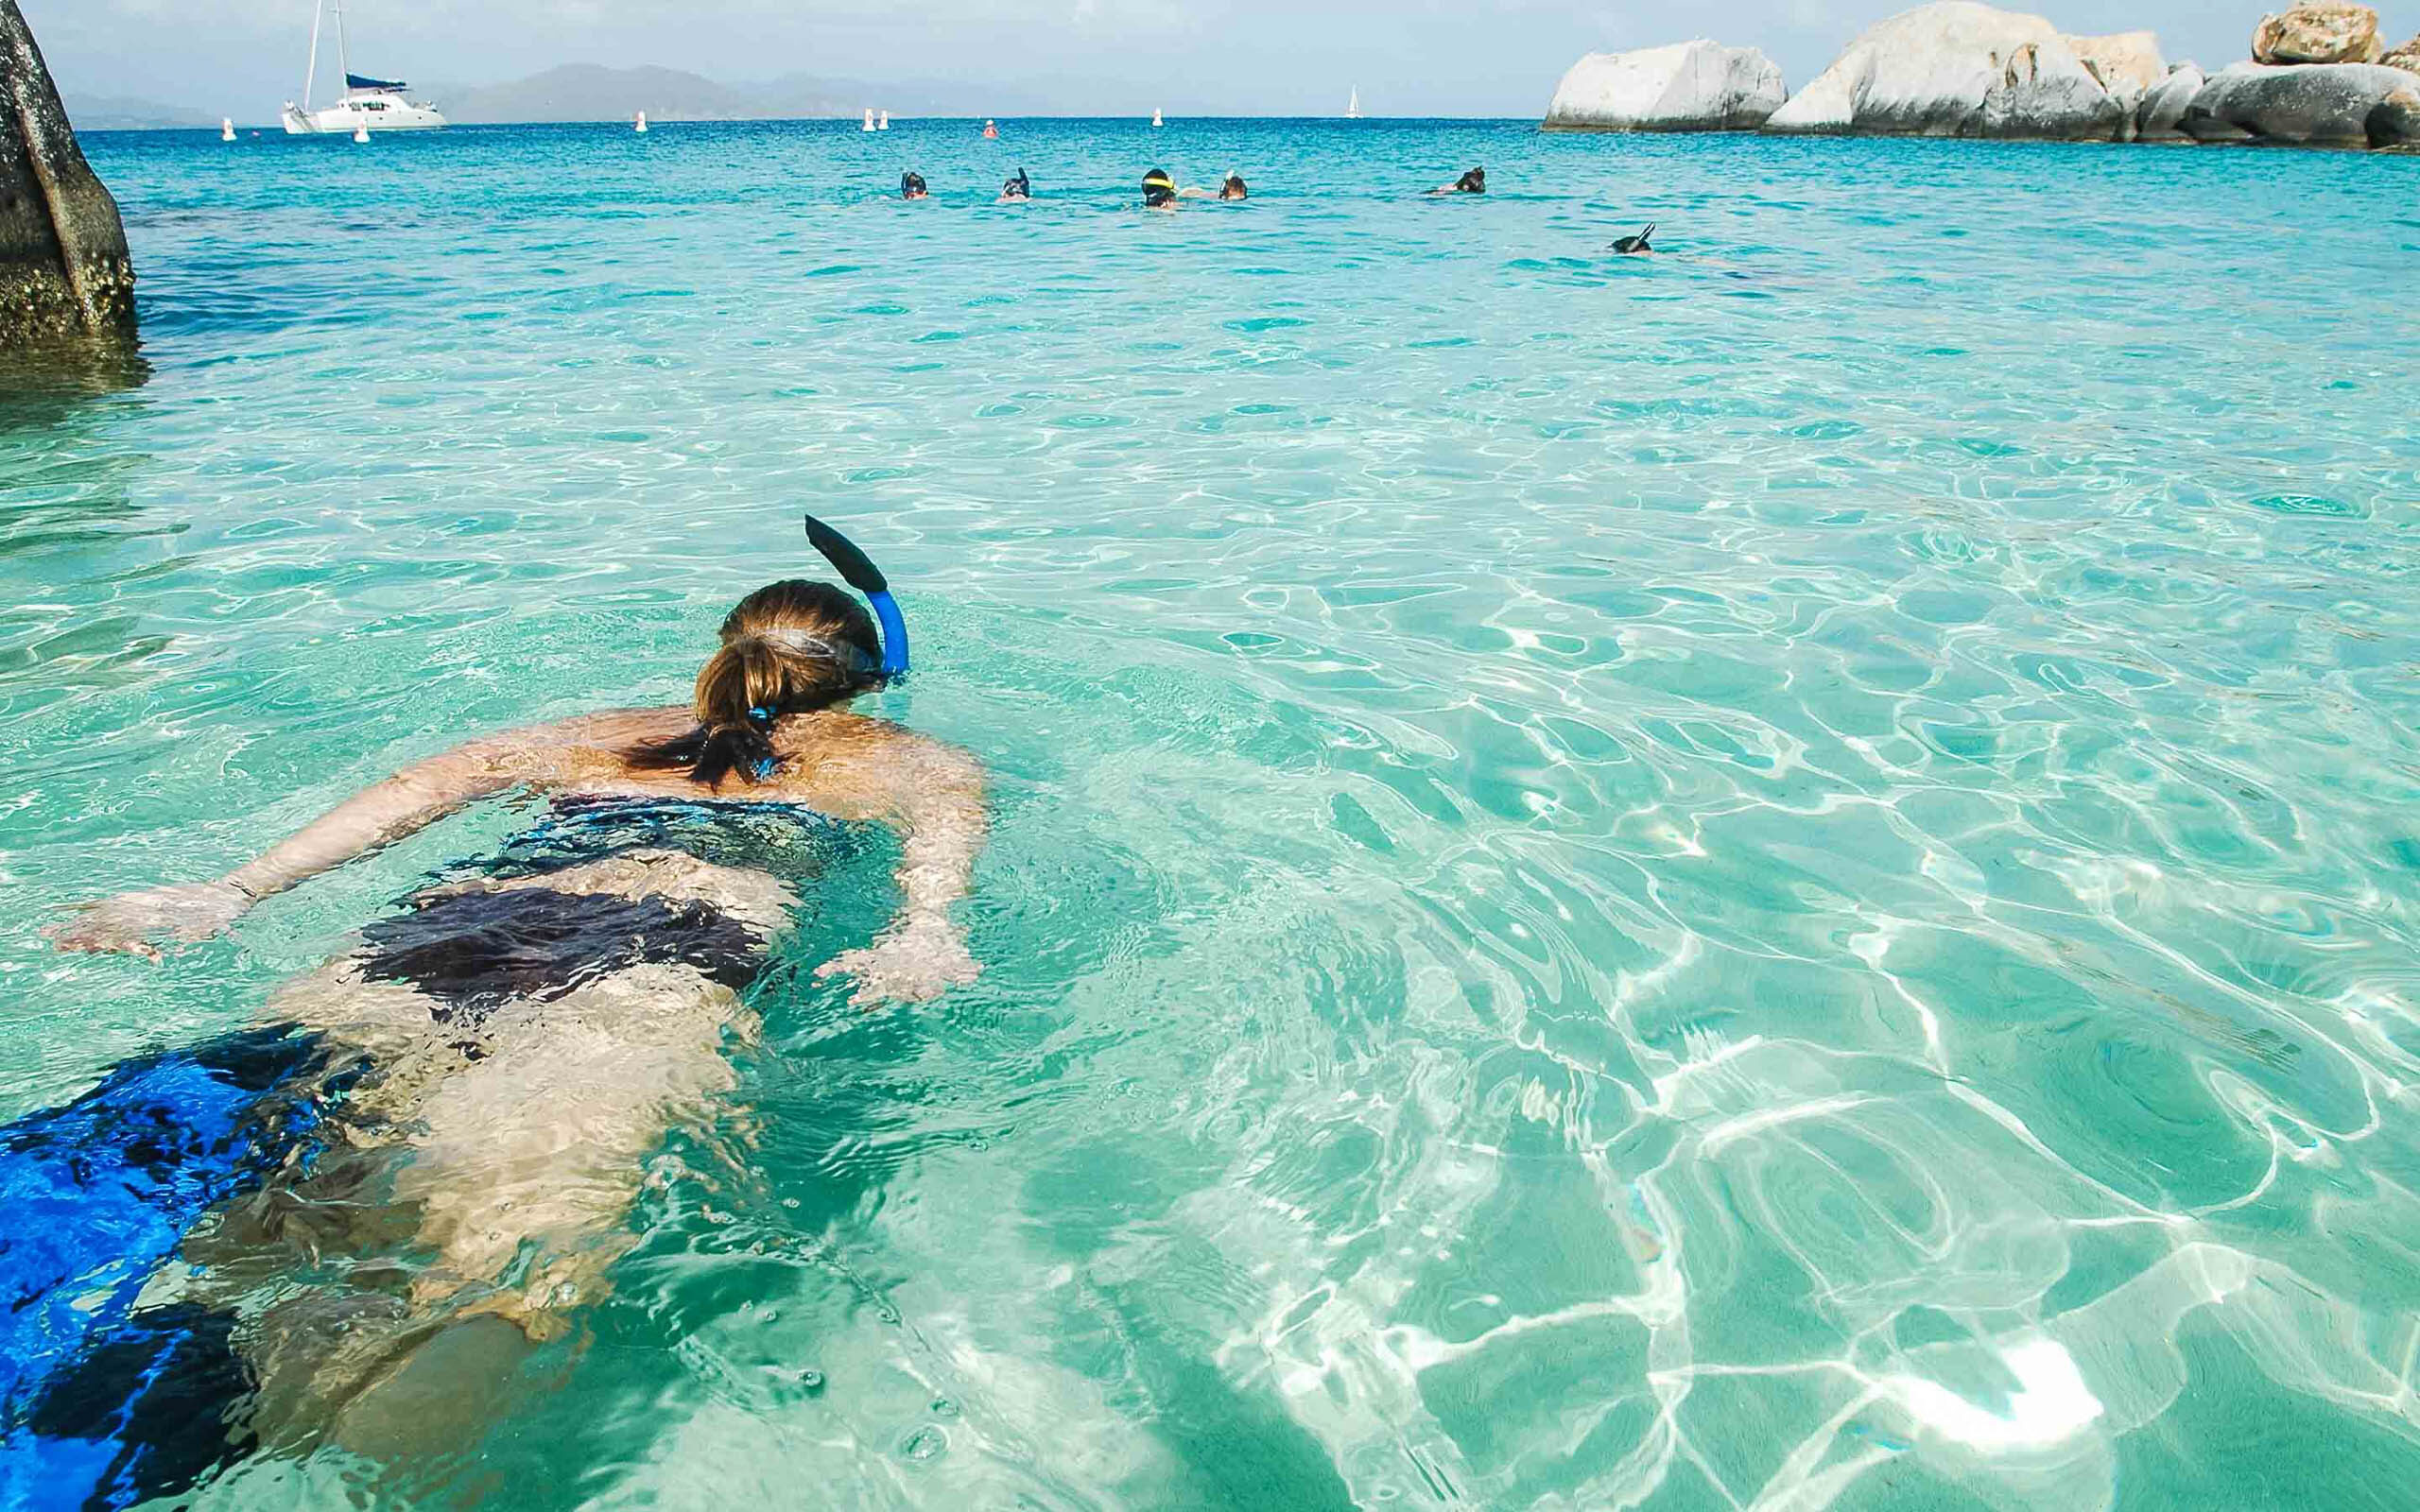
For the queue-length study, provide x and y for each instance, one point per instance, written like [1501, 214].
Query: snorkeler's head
[1233, 188]
[789, 647]
[1473, 182]
[1158, 188]
[1019, 187]
[911, 186]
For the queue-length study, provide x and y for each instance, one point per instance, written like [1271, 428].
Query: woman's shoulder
[579, 751]
[614, 727]
[850, 766]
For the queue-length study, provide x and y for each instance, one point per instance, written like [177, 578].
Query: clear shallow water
[1782, 877]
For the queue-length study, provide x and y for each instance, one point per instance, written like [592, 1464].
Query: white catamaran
[366, 104]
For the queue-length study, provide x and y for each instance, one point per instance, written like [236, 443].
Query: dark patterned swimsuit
[474, 950]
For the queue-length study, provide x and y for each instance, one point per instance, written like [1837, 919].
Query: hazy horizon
[244, 57]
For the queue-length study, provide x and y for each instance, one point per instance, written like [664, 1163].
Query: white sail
[226, 128]
[869, 126]
[1353, 107]
[640, 124]
[1156, 120]
[884, 124]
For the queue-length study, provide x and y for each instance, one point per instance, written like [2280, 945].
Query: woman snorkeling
[451, 1120]
[911, 186]
[1159, 190]
[1472, 182]
[1233, 188]
[1017, 190]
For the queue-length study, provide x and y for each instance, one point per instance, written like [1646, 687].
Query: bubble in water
[924, 1443]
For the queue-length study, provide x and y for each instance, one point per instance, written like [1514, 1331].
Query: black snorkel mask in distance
[863, 576]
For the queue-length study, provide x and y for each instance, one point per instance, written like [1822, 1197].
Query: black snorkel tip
[858, 572]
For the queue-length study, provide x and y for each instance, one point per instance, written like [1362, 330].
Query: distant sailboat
[226, 128]
[640, 126]
[883, 125]
[366, 102]
[1156, 119]
[1353, 107]
[869, 126]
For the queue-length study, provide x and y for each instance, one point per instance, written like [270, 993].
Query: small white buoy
[869, 118]
[641, 128]
[226, 128]
[362, 133]
[1155, 119]
[885, 124]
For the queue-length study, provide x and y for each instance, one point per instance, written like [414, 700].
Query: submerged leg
[525, 1163]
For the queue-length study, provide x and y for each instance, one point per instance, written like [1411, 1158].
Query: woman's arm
[936, 801]
[137, 922]
[403, 805]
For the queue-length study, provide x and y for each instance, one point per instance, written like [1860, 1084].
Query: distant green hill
[584, 92]
[112, 113]
[587, 92]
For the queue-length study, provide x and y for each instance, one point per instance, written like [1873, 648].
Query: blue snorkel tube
[863, 576]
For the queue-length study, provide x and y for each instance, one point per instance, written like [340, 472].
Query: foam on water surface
[1782, 876]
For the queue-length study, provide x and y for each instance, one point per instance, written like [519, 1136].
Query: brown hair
[789, 647]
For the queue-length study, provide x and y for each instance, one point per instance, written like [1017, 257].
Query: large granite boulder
[2405, 57]
[2161, 116]
[1958, 68]
[2342, 105]
[2128, 66]
[2128, 61]
[1693, 86]
[64, 266]
[2318, 31]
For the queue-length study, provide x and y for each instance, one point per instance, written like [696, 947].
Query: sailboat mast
[344, 57]
[312, 72]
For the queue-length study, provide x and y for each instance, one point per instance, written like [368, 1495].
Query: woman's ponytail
[790, 647]
[738, 689]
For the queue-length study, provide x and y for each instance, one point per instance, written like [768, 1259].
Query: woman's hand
[138, 923]
[915, 964]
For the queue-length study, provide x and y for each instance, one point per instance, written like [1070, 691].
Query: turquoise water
[1781, 876]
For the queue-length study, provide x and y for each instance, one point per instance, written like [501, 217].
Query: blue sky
[1198, 57]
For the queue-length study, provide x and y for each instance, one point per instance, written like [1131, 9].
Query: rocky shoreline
[2320, 75]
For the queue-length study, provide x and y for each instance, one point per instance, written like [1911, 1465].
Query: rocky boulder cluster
[2320, 75]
